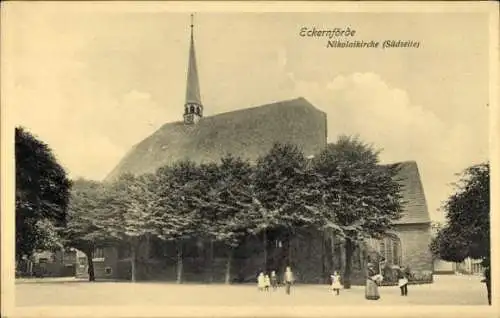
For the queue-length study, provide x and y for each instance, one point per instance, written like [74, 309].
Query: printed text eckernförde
[348, 33]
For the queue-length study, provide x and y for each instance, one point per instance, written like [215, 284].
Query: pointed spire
[193, 84]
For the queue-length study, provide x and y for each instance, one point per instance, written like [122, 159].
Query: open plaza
[446, 290]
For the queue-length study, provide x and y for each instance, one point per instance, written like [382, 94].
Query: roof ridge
[247, 109]
[401, 162]
[275, 103]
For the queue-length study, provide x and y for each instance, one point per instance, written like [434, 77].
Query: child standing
[267, 282]
[261, 282]
[274, 280]
[336, 285]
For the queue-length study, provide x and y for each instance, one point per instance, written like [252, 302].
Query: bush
[390, 275]
[421, 277]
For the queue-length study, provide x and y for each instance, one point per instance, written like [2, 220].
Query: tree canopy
[86, 211]
[84, 228]
[227, 200]
[343, 190]
[359, 197]
[362, 197]
[282, 189]
[467, 229]
[42, 194]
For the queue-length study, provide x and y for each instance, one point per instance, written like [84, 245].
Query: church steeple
[193, 108]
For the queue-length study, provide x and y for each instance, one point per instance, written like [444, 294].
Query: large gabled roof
[248, 133]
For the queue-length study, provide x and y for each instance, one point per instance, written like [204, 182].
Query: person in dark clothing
[403, 282]
[371, 287]
[274, 280]
[487, 280]
[288, 279]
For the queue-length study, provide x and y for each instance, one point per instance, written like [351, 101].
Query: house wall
[50, 264]
[444, 267]
[105, 267]
[470, 266]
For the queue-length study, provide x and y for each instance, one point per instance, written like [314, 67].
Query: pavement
[446, 290]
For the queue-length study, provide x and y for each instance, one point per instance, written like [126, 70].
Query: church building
[250, 133]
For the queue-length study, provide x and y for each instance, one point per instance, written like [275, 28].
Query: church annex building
[250, 133]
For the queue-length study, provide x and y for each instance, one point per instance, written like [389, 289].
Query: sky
[93, 84]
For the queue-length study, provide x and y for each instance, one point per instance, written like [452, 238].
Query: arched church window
[390, 249]
[192, 109]
[186, 110]
[198, 110]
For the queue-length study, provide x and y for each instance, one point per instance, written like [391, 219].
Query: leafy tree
[42, 194]
[280, 195]
[84, 228]
[225, 202]
[176, 209]
[49, 235]
[360, 198]
[467, 230]
[131, 205]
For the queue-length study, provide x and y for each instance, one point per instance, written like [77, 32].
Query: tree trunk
[228, 266]
[332, 252]
[323, 267]
[328, 256]
[349, 247]
[211, 260]
[90, 262]
[289, 256]
[133, 258]
[179, 262]
[265, 250]
[30, 267]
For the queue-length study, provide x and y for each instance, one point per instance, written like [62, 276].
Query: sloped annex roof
[248, 133]
[415, 208]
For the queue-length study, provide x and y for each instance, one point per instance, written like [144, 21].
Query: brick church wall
[415, 240]
[309, 261]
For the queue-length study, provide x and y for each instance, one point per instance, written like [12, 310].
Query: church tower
[193, 109]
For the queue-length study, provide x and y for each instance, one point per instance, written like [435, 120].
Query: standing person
[403, 282]
[274, 280]
[261, 281]
[267, 282]
[487, 281]
[288, 279]
[371, 288]
[336, 285]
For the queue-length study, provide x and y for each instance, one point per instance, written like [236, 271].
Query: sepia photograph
[269, 159]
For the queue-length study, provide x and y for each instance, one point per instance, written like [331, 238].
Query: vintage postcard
[249, 159]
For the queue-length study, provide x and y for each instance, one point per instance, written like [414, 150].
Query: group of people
[266, 281]
[373, 279]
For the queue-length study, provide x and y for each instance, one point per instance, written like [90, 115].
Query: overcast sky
[91, 85]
